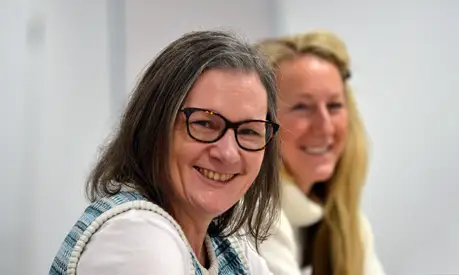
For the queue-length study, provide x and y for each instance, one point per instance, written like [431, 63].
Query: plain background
[67, 67]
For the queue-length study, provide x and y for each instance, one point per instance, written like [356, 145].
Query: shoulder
[280, 250]
[133, 242]
[255, 263]
[366, 230]
[372, 264]
[282, 233]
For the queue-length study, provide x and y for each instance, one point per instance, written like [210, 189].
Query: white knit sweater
[282, 251]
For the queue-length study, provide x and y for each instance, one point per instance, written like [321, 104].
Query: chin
[322, 178]
[214, 203]
[323, 173]
[215, 209]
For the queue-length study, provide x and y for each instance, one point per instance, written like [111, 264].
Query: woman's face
[209, 178]
[313, 118]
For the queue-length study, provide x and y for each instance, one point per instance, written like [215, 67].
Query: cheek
[175, 156]
[253, 161]
[341, 128]
[184, 150]
[291, 133]
[178, 142]
[292, 129]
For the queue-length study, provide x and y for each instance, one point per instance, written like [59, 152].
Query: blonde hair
[336, 241]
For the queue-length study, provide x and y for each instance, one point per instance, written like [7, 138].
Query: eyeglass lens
[208, 127]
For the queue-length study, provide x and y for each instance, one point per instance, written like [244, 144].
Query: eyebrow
[335, 95]
[218, 113]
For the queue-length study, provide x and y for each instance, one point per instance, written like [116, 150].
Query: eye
[248, 132]
[203, 123]
[300, 107]
[335, 106]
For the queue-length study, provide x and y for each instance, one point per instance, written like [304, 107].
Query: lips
[213, 175]
[316, 150]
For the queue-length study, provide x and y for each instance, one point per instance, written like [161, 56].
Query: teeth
[317, 150]
[214, 175]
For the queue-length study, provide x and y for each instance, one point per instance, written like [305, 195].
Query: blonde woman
[324, 150]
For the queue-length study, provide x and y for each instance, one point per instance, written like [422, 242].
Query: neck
[305, 185]
[195, 231]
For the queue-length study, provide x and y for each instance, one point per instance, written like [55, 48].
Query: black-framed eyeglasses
[207, 126]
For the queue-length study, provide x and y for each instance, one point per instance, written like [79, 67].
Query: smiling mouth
[316, 150]
[212, 175]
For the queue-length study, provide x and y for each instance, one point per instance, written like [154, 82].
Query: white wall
[54, 87]
[151, 25]
[12, 157]
[405, 76]
[72, 119]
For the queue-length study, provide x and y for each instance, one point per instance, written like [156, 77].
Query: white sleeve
[372, 264]
[280, 250]
[137, 242]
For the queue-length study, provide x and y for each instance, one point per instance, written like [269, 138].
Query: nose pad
[226, 149]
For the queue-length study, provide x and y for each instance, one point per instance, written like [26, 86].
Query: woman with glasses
[324, 152]
[195, 155]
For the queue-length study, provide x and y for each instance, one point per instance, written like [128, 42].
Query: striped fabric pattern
[229, 260]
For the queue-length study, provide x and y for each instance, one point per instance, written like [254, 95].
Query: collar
[299, 209]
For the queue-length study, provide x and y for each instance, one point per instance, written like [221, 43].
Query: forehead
[309, 76]
[237, 95]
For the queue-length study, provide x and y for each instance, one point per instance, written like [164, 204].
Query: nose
[322, 121]
[226, 149]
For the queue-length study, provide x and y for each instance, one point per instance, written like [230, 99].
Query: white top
[141, 242]
[282, 250]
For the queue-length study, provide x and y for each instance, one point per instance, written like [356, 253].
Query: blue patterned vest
[230, 262]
